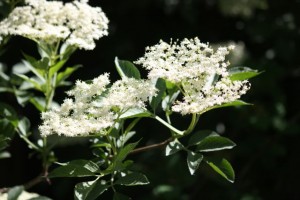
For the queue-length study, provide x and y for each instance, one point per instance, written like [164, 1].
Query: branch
[153, 146]
[41, 177]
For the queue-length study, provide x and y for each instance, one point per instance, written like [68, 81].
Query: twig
[153, 146]
[41, 177]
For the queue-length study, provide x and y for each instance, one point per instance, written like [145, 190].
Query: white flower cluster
[76, 23]
[95, 106]
[201, 72]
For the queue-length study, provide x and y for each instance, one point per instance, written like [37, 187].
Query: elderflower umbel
[74, 117]
[75, 23]
[129, 93]
[198, 70]
[95, 106]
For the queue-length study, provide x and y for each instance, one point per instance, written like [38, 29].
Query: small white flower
[95, 106]
[195, 67]
[75, 23]
[129, 93]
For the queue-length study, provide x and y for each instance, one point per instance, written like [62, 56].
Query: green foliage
[127, 69]
[193, 161]
[134, 113]
[117, 163]
[173, 147]
[89, 190]
[132, 179]
[214, 143]
[161, 87]
[15, 192]
[242, 73]
[75, 168]
[222, 167]
[62, 76]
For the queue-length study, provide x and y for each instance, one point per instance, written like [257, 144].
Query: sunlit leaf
[242, 73]
[34, 83]
[38, 102]
[161, 87]
[233, 103]
[135, 112]
[127, 69]
[133, 179]
[198, 136]
[23, 126]
[193, 161]
[75, 168]
[173, 147]
[124, 152]
[4, 154]
[214, 143]
[89, 190]
[62, 76]
[222, 167]
[55, 68]
[3, 142]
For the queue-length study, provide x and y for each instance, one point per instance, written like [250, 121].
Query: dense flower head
[129, 93]
[189, 59]
[93, 107]
[76, 23]
[199, 70]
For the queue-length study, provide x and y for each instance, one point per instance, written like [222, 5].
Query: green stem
[172, 128]
[29, 143]
[195, 118]
[168, 118]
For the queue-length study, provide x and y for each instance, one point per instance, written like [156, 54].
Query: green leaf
[4, 154]
[173, 147]
[233, 103]
[55, 68]
[135, 112]
[23, 126]
[8, 112]
[169, 100]
[40, 198]
[6, 128]
[33, 65]
[75, 168]
[215, 143]
[62, 76]
[161, 87]
[117, 163]
[89, 190]
[133, 179]
[66, 51]
[124, 138]
[222, 167]
[3, 142]
[38, 102]
[242, 73]
[125, 151]
[119, 196]
[22, 96]
[193, 161]
[127, 69]
[42, 64]
[197, 137]
[15, 192]
[32, 81]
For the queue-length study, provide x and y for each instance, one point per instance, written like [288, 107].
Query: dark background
[266, 159]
